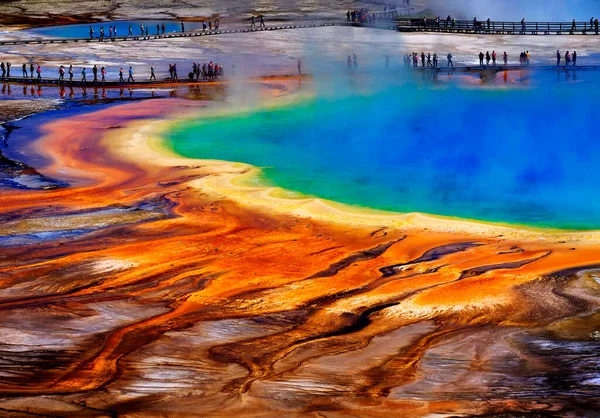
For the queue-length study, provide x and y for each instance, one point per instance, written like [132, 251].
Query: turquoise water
[512, 156]
[83, 30]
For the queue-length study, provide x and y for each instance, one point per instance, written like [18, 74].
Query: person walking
[3, 67]
[61, 73]
[162, 27]
[450, 63]
[487, 58]
[8, 65]
[253, 24]
[574, 58]
[422, 59]
[130, 33]
[91, 33]
[24, 70]
[568, 58]
[558, 57]
[523, 25]
[596, 25]
[115, 31]
[102, 33]
[31, 69]
[527, 58]
[71, 73]
[505, 56]
[142, 30]
[429, 63]
[110, 31]
[121, 79]
[182, 28]
[83, 73]
[348, 63]
[95, 73]
[481, 56]
[435, 60]
[146, 31]
[103, 74]
[130, 78]
[355, 61]
[262, 22]
[39, 72]
[175, 72]
[494, 58]
[152, 76]
[157, 29]
[217, 23]
[299, 66]
[204, 26]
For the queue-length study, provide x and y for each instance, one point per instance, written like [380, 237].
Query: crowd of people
[429, 61]
[365, 16]
[570, 59]
[146, 31]
[208, 71]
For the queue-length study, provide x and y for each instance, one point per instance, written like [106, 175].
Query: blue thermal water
[521, 156]
[83, 30]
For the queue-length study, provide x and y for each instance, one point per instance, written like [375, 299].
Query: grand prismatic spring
[301, 236]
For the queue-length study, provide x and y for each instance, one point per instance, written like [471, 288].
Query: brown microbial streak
[210, 308]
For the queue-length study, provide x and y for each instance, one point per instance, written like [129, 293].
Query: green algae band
[421, 150]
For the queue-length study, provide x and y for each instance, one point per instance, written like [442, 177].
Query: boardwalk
[495, 27]
[174, 35]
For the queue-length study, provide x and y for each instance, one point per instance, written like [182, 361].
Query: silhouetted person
[152, 75]
[505, 56]
[253, 24]
[481, 58]
[422, 59]
[574, 58]
[130, 78]
[91, 32]
[182, 27]
[103, 74]
[8, 65]
[262, 22]
[558, 57]
[39, 72]
[95, 73]
[24, 70]
[83, 79]
[61, 73]
[31, 69]
[121, 79]
[450, 63]
[70, 73]
[299, 67]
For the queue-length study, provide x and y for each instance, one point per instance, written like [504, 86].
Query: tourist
[300, 66]
[422, 59]
[8, 65]
[217, 23]
[83, 79]
[262, 22]
[481, 56]
[170, 71]
[429, 63]
[175, 72]
[110, 32]
[162, 27]
[182, 27]
[568, 58]
[203, 26]
[157, 29]
[121, 79]
[91, 32]
[523, 25]
[573, 26]
[130, 33]
[152, 75]
[3, 67]
[527, 58]
[574, 58]
[348, 62]
[488, 24]
[355, 61]
[435, 60]
[596, 25]
[130, 78]
[115, 31]
[103, 74]
[450, 63]
[39, 72]
[505, 56]
[253, 24]
[24, 70]
[591, 21]
[31, 68]
[493, 57]
[146, 31]
[210, 25]
[348, 16]
[558, 57]
[142, 30]
[95, 73]
[102, 33]
[61, 73]
[487, 58]
[71, 73]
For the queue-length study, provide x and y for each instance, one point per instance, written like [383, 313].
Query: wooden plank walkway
[174, 35]
[498, 68]
[495, 27]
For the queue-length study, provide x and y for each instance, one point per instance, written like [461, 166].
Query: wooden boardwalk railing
[495, 27]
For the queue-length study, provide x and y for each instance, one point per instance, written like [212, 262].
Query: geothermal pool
[83, 30]
[518, 156]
